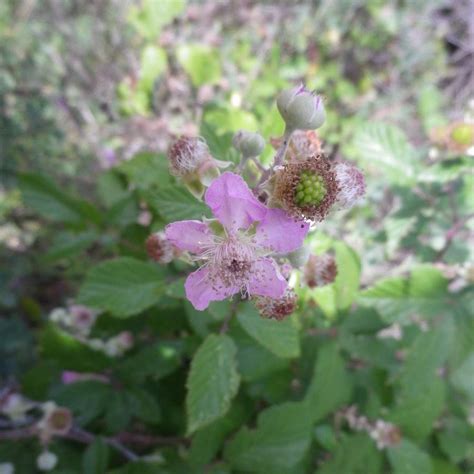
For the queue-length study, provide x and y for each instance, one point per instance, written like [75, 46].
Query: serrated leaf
[212, 382]
[207, 441]
[346, 284]
[421, 396]
[146, 170]
[69, 352]
[408, 458]
[463, 378]
[45, 197]
[176, 204]
[279, 442]
[330, 386]
[397, 299]
[279, 337]
[385, 148]
[124, 286]
[68, 244]
[96, 458]
[354, 455]
[255, 361]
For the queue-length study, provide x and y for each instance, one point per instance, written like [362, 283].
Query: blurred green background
[92, 93]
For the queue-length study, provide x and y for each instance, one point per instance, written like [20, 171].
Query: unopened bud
[277, 308]
[187, 154]
[46, 461]
[463, 134]
[351, 185]
[301, 109]
[320, 270]
[160, 249]
[250, 144]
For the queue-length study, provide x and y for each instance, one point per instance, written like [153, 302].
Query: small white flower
[7, 468]
[46, 461]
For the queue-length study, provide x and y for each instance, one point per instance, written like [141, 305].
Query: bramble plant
[253, 232]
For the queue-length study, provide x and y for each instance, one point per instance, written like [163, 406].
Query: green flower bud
[301, 109]
[463, 134]
[250, 144]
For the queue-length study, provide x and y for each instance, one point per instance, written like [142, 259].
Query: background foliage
[92, 93]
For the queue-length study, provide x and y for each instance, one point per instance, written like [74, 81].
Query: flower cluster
[257, 232]
[384, 434]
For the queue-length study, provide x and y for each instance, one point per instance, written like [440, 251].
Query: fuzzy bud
[46, 461]
[301, 109]
[160, 249]
[250, 144]
[187, 154]
[320, 270]
[351, 184]
[277, 308]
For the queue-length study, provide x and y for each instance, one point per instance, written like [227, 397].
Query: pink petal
[280, 232]
[233, 203]
[189, 235]
[202, 287]
[266, 279]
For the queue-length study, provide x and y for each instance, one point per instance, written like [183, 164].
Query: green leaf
[200, 62]
[430, 104]
[229, 119]
[176, 204]
[146, 170]
[69, 352]
[385, 148]
[123, 286]
[463, 378]
[279, 442]
[354, 455]
[45, 197]
[144, 405]
[346, 284]
[151, 15]
[87, 399]
[207, 441]
[118, 411]
[152, 65]
[331, 385]
[96, 458]
[155, 361]
[279, 337]
[407, 458]
[212, 382]
[424, 292]
[68, 244]
[420, 399]
[255, 361]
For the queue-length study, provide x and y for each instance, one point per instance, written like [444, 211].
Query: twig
[85, 437]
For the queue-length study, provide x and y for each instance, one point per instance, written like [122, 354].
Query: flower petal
[202, 287]
[233, 203]
[189, 235]
[280, 232]
[266, 279]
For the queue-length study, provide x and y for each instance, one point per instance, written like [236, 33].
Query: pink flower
[239, 259]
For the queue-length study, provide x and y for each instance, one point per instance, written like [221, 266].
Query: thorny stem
[280, 155]
[82, 436]
[278, 159]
